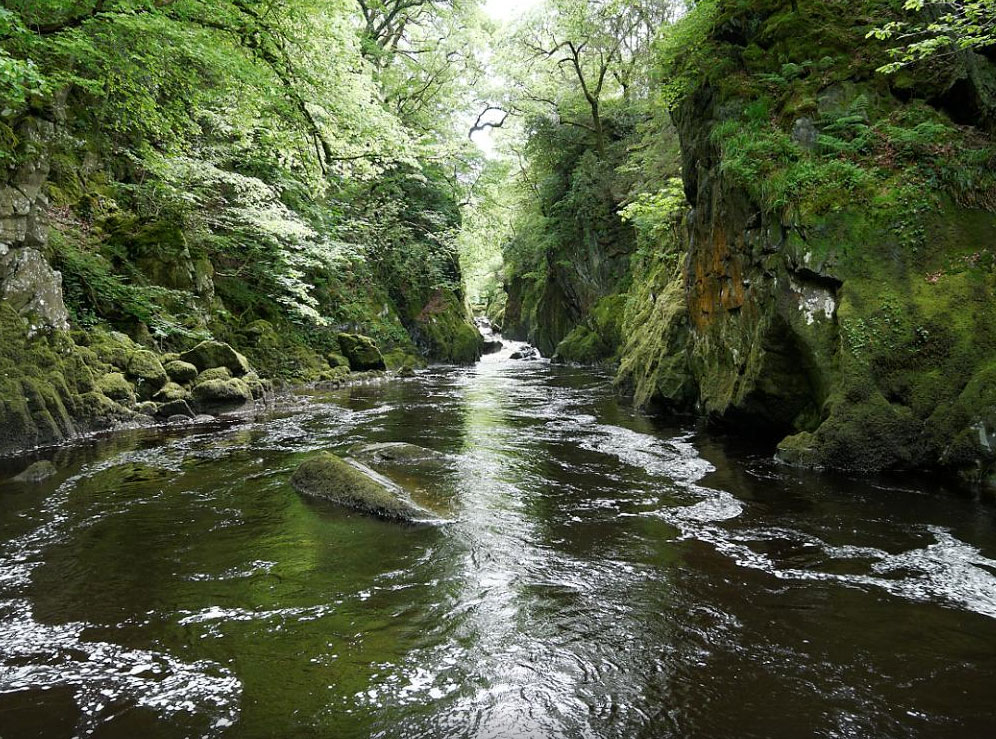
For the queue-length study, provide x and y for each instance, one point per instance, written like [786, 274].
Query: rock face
[825, 287]
[30, 286]
[328, 477]
[362, 352]
[840, 322]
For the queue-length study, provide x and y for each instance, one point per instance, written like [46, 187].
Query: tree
[595, 50]
[943, 28]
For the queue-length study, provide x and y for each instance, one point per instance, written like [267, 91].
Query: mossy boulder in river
[215, 373]
[116, 387]
[352, 485]
[181, 372]
[222, 394]
[210, 354]
[362, 352]
[145, 369]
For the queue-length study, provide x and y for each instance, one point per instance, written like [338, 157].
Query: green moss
[362, 352]
[397, 359]
[331, 478]
[654, 365]
[171, 392]
[599, 338]
[215, 395]
[442, 328]
[47, 388]
[211, 354]
[180, 372]
[146, 371]
[337, 360]
[116, 387]
[215, 373]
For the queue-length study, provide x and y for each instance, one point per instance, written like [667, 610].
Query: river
[603, 575]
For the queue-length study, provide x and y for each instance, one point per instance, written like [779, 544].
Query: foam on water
[34, 655]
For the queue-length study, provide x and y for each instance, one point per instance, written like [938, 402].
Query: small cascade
[496, 346]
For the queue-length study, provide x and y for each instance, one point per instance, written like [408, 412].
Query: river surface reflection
[603, 575]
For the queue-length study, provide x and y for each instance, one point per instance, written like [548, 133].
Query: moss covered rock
[599, 338]
[181, 372]
[170, 392]
[215, 373]
[361, 352]
[146, 371]
[116, 387]
[444, 330]
[211, 354]
[353, 486]
[112, 347]
[217, 395]
[336, 360]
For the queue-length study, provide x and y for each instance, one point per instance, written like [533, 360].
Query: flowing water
[602, 575]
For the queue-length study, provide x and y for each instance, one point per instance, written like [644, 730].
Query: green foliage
[683, 52]
[655, 213]
[939, 28]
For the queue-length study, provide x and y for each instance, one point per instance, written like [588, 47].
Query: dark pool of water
[602, 576]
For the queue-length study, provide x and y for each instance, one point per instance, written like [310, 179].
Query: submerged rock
[395, 453]
[354, 486]
[38, 472]
[526, 354]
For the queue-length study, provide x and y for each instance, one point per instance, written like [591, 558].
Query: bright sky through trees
[506, 10]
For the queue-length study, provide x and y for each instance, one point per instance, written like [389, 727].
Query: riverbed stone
[231, 393]
[210, 354]
[180, 372]
[215, 373]
[175, 408]
[38, 472]
[396, 453]
[171, 392]
[147, 371]
[331, 478]
[116, 387]
[362, 352]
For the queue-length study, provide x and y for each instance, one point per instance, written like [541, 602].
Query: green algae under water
[602, 576]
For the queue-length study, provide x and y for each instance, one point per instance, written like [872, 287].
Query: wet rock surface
[354, 486]
[37, 472]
